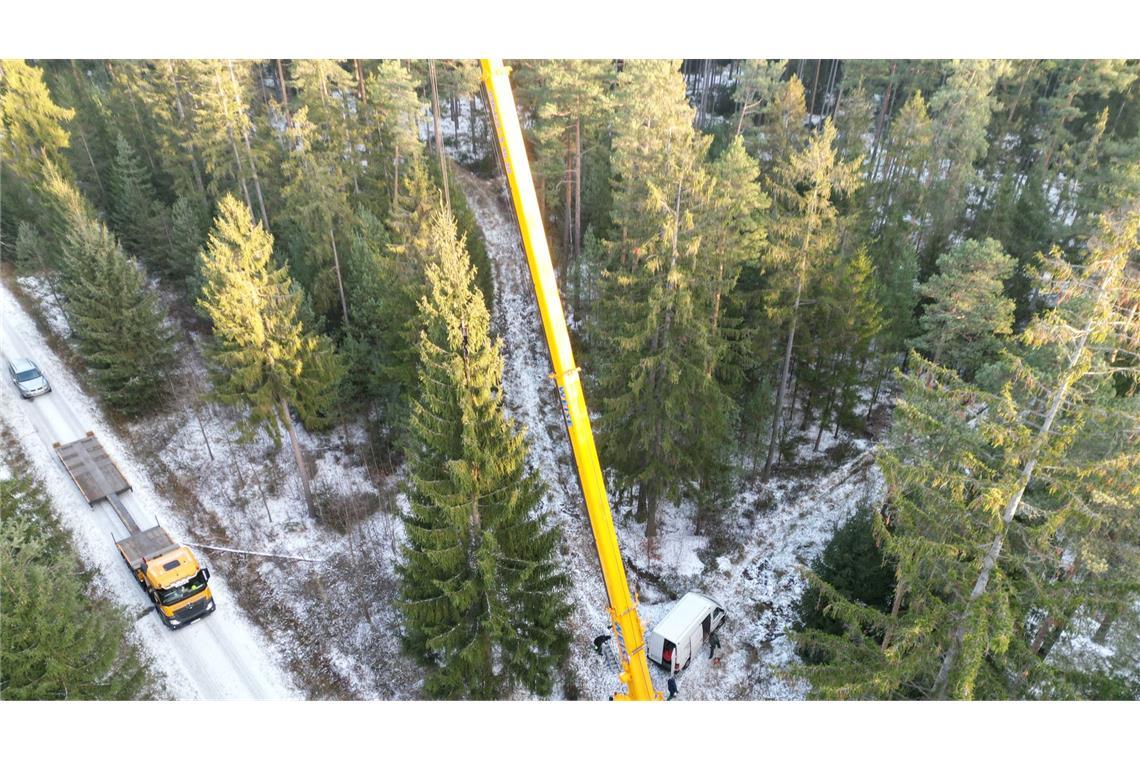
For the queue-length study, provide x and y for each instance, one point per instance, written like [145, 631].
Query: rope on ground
[256, 554]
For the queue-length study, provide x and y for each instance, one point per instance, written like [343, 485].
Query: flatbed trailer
[167, 571]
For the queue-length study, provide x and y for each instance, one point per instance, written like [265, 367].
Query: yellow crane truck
[167, 571]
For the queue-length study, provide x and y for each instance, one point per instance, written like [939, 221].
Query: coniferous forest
[782, 277]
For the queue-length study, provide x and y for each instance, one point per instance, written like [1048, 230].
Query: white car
[28, 378]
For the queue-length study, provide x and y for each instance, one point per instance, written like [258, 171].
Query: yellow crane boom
[628, 633]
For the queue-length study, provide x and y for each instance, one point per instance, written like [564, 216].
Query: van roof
[689, 609]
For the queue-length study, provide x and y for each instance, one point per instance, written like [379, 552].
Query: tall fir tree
[1001, 503]
[33, 133]
[117, 320]
[481, 585]
[266, 360]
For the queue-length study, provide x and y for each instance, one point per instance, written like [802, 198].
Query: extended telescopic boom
[627, 628]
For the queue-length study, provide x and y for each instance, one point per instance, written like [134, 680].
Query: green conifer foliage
[660, 342]
[118, 322]
[33, 134]
[969, 312]
[59, 639]
[802, 231]
[1010, 512]
[266, 361]
[137, 217]
[482, 593]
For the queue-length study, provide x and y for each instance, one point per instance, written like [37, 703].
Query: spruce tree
[394, 107]
[659, 337]
[117, 320]
[33, 134]
[1007, 509]
[59, 640]
[136, 216]
[481, 594]
[266, 360]
[801, 233]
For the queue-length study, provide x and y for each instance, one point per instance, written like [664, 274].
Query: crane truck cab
[679, 635]
[170, 575]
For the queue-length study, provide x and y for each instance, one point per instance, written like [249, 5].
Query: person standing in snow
[672, 683]
[599, 640]
[714, 642]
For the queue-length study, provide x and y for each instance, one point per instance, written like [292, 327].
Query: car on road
[28, 378]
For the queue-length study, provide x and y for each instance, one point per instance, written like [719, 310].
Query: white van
[678, 637]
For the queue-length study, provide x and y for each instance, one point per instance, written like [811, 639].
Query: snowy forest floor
[775, 528]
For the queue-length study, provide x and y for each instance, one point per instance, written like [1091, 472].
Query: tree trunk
[359, 79]
[339, 281]
[882, 119]
[814, 85]
[1106, 621]
[396, 176]
[900, 592]
[249, 152]
[567, 216]
[577, 188]
[438, 135]
[299, 458]
[198, 181]
[778, 415]
[283, 90]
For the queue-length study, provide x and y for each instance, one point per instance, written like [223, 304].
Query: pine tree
[481, 588]
[59, 638]
[571, 101]
[968, 313]
[265, 359]
[755, 86]
[394, 108]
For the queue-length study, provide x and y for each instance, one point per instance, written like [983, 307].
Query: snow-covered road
[220, 657]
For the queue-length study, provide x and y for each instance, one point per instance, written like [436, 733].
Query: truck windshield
[169, 596]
